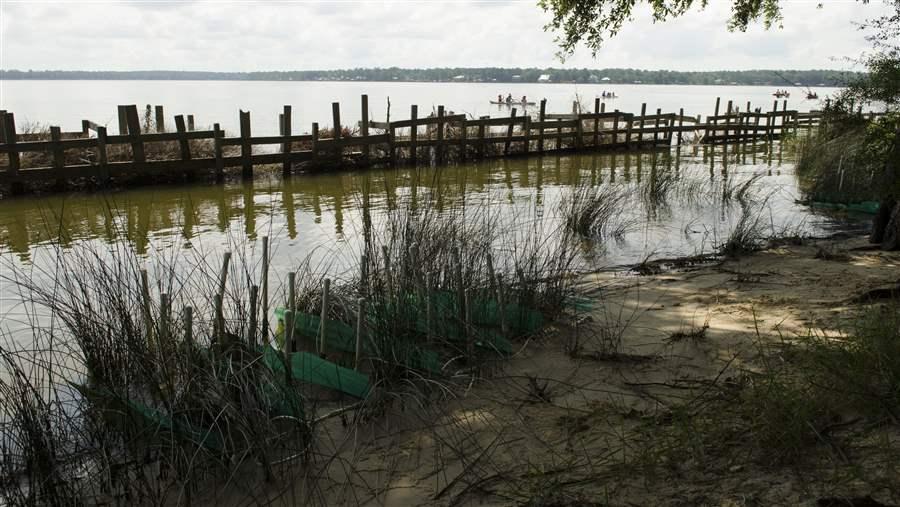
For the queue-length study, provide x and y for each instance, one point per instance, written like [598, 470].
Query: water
[66, 103]
[321, 215]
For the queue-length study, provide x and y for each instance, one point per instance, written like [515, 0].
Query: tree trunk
[886, 224]
[891, 240]
[881, 220]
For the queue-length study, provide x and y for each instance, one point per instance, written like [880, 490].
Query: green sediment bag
[154, 419]
[312, 369]
[340, 336]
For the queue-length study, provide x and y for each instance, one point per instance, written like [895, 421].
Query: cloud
[236, 35]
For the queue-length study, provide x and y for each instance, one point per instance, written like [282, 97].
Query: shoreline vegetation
[779, 78]
[465, 356]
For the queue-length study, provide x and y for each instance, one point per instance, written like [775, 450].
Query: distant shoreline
[776, 78]
[415, 82]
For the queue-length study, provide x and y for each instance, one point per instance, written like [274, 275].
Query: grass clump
[819, 403]
[592, 212]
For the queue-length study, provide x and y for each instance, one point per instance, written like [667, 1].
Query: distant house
[516, 77]
[606, 79]
[544, 78]
[459, 78]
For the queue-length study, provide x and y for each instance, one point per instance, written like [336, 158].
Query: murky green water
[682, 203]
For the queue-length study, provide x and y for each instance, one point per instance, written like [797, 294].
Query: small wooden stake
[360, 320]
[292, 297]
[385, 253]
[324, 318]
[223, 274]
[363, 275]
[288, 347]
[188, 318]
[265, 287]
[428, 304]
[219, 323]
[251, 331]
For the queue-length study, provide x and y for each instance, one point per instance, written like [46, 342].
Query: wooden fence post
[59, 159]
[579, 131]
[190, 123]
[596, 122]
[364, 103]
[680, 124]
[509, 132]
[134, 131]
[287, 146]
[526, 128]
[85, 128]
[101, 154]
[246, 147]
[160, 119]
[440, 134]
[183, 144]
[542, 116]
[217, 147]
[123, 120]
[629, 128]
[481, 129]
[463, 139]
[2, 126]
[315, 140]
[642, 124]
[656, 126]
[718, 100]
[615, 134]
[413, 133]
[336, 117]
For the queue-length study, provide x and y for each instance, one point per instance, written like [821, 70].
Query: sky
[231, 35]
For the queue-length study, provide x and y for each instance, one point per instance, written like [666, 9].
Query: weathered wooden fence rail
[104, 155]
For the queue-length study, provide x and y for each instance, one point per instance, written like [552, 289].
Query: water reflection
[325, 202]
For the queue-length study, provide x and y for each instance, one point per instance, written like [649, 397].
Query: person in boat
[524, 100]
[499, 98]
[509, 98]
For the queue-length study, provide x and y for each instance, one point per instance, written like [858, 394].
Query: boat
[513, 103]
[812, 96]
[782, 94]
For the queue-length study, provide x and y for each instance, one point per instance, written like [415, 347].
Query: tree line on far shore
[780, 78]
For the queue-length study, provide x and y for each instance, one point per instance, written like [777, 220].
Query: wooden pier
[436, 138]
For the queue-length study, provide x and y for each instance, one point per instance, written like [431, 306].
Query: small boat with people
[782, 94]
[509, 101]
[812, 95]
[515, 103]
[608, 95]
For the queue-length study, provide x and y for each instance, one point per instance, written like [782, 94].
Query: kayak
[516, 103]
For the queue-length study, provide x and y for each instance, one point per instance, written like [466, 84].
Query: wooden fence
[445, 137]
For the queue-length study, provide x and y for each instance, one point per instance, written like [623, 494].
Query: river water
[66, 103]
[680, 202]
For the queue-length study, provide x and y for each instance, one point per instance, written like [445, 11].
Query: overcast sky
[298, 35]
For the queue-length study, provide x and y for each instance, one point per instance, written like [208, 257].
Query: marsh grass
[154, 410]
[594, 212]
